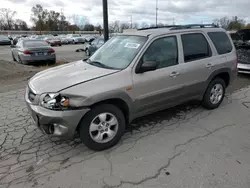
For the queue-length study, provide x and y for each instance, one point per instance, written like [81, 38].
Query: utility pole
[156, 13]
[173, 21]
[105, 20]
[131, 21]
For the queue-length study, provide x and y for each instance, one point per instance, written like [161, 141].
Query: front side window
[163, 51]
[118, 52]
[195, 47]
[221, 42]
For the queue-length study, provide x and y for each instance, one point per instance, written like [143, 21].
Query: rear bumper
[5, 42]
[244, 68]
[32, 58]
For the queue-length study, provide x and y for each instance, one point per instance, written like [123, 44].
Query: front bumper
[244, 68]
[55, 123]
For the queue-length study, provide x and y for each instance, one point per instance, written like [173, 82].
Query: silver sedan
[33, 51]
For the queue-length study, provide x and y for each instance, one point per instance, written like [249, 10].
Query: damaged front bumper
[55, 123]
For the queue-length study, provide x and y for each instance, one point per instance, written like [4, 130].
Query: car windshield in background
[118, 52]
[235, 36]
[33, 43]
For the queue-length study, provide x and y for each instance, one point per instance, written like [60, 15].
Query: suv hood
[64, 76]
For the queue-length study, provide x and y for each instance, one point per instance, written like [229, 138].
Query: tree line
[49, 20]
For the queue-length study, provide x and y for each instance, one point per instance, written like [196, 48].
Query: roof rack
[158, 27]
[193, 26]
[175, 27]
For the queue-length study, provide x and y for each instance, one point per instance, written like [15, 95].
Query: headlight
[55, 101]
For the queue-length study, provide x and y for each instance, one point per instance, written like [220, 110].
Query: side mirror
[147, 66]
[13, 46]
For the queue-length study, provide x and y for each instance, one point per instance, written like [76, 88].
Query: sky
[169, 11]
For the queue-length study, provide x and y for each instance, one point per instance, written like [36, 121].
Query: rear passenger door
[197, 63]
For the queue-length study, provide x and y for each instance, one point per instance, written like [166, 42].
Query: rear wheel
[214, 94]
[102, 127]
[52, 62]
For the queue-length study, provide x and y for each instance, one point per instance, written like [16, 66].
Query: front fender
[114, 94]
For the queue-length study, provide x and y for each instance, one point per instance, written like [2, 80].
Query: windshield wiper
[99, 64]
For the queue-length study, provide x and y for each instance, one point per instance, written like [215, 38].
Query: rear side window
[221, 42]
[195, 46]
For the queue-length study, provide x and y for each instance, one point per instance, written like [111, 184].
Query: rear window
[31, 44]
[221, 42]
[195, 46]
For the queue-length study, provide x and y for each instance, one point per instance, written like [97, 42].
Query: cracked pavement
[186, 146]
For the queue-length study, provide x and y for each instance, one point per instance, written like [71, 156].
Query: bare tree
[222, 22]
[7, 16]
[114, 27]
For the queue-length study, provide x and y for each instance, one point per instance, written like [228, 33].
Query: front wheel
[102, 127]
[214, 94]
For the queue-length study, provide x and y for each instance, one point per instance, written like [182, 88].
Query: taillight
[51, 51]
[27, 52]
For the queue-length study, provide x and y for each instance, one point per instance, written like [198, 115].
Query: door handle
[174, 74]
[209, 65]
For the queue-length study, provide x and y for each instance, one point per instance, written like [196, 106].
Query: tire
[14, 59]
[89, 138]
[216, 87]
[60, 44]
[19, 60]
[52, 62]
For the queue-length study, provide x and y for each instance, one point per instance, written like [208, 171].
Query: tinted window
[195, 46]
[221, 42]
[164, 51]
[30, 44]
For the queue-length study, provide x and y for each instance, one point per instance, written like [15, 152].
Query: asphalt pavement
[182, 147]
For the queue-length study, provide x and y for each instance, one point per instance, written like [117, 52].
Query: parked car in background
[237, 40]
[53, 41]
[90, 38]
[4, 40]
[63, 39]
[29, 51]
[244, 52]
[94, 45]
[76, 38]
[130, 76]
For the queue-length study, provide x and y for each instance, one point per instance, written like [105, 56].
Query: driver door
[157, 89]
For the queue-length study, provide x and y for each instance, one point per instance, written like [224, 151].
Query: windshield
[119, 51]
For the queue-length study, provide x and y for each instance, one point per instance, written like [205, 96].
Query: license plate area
[39, 53]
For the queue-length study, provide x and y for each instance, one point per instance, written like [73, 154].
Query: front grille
[31, 95]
